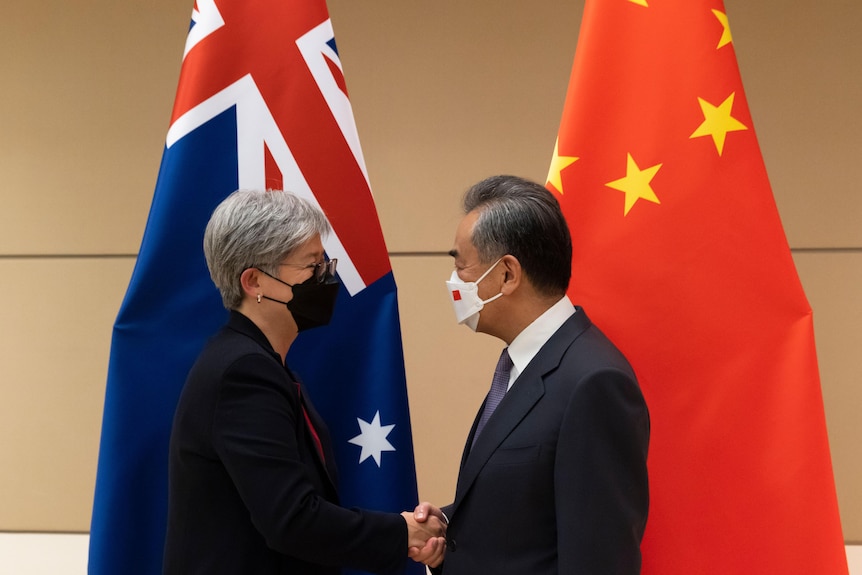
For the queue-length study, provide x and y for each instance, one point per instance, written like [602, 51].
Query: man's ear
[514, 274]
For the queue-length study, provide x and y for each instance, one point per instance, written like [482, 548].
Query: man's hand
[425, 510]
[426, 536]
[433, 551]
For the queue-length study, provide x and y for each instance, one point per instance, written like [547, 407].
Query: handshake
[426, 534]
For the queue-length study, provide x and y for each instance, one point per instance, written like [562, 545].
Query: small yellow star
[725, 35]
[558, 164]
[640, 2]
[636, 184]
[717, 122]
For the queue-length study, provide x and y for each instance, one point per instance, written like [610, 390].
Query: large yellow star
[558, 164]
[725, 35]
[639, 2]
[717, 122]
[636, 184]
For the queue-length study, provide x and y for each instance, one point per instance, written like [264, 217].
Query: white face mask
[466, 300]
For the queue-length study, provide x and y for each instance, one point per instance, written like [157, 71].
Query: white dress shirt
[527, 344]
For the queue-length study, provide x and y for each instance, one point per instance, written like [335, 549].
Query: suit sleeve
[602, 494]
[253, 432]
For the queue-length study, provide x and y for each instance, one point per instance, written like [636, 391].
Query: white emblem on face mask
[465, 298]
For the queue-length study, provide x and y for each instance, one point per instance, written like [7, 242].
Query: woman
[252, 487]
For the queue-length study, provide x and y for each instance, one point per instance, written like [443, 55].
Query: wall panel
[832, 282]
[57, 318]
[801, 65]
[85, 106]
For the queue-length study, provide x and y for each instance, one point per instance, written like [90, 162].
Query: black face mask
[313, 301]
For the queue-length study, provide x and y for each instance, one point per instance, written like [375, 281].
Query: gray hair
[256, 229]
[524, 219]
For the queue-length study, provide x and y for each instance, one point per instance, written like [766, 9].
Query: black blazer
[556, 483]
[249, 492]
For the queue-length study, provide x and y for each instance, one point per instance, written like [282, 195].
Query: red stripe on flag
[247, 44]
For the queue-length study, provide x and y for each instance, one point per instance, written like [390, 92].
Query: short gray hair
[253, 228]
[522, 218]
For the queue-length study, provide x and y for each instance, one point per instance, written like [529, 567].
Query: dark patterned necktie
[499, 385]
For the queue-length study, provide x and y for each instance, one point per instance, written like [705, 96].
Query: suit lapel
[242, 324]
[527, 390]
[326, 441]
[467, 445]
[327, 461]
[515, 405]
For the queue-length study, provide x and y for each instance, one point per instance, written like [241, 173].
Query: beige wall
[444, 93]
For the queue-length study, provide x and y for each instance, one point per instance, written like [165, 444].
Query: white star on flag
[372, 438]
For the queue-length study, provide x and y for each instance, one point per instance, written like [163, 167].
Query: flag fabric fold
[261, 103]
[680, 256]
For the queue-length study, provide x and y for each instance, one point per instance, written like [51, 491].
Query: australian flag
[262, 104]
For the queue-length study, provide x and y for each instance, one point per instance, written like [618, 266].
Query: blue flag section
[251, 112]
[348, 368]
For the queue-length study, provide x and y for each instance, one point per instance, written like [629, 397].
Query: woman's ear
[249, 279]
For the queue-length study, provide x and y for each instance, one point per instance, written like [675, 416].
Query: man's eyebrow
[453, 253]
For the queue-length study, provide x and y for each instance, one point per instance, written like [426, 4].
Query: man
[554, 480]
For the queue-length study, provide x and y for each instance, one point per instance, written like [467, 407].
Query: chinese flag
[680, 257]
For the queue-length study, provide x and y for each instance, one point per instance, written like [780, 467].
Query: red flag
[679, 255]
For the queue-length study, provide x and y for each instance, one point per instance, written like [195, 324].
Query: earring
[258, 298]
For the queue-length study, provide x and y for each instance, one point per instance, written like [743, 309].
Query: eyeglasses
[322, 270]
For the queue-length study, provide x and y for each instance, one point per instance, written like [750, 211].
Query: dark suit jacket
[249, 493]
[556, 483]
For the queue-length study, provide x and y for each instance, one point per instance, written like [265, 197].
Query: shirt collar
[527, 344]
